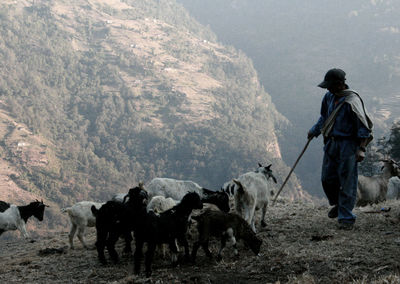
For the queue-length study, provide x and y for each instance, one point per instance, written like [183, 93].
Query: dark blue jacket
[347, 124]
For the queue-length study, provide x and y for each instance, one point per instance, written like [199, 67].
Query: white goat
[159, 204]
[252, 193]
[393, 191]
[374, 189]
[81, 216]
[119, 197]
[177, 189]
[11, 220]
[15, 217]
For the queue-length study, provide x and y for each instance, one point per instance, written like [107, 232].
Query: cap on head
[332, 77]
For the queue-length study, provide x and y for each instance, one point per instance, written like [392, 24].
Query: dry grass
[301, 245]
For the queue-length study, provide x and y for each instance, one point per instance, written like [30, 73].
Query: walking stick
[291, 170]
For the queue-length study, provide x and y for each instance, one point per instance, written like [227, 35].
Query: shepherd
[347, 130]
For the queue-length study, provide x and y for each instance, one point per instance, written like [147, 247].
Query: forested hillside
[113, 92]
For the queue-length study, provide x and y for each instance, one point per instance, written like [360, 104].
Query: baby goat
[81, 217]
[114, 219]
[225, 226]
[159, 204]
[165, 229]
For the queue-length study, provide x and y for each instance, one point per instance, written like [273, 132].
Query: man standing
[347, 130]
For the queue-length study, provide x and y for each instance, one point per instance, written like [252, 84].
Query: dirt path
[301, 245]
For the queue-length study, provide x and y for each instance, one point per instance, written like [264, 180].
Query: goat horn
[237, 182]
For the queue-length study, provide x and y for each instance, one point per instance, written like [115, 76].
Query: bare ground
[301, 245]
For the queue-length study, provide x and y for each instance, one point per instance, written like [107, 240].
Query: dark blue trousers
[340, 176]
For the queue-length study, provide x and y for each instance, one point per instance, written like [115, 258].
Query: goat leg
[183, 241]
[174, 252]
[112, 239]
[223, 243]
[100, 245]
[151, 247]
[196, 246]
[138, 255]
[206, 250]
[128, 239]
[264, 210]
[81, 237]
[71, 236]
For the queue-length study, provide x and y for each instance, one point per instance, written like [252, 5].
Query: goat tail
[66, 209]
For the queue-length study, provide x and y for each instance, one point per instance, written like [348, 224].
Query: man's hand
[360, 155]
[310, 135]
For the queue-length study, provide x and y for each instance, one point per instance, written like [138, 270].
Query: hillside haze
[99, 95]
[293, 44]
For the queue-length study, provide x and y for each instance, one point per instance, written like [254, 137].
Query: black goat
[218, 198]
[4, 206]
[114, 219]
[225, 226]
[169, 226]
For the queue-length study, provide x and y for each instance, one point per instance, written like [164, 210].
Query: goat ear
[94, 210]
[207, 191]
[232, 189]
[269, 166]
[259, 165]
[240, 188]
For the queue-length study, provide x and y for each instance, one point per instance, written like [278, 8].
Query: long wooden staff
[292, 169]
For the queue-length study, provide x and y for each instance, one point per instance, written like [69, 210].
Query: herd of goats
[160, 213]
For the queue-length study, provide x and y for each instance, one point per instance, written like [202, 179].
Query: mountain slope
[125, 91]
